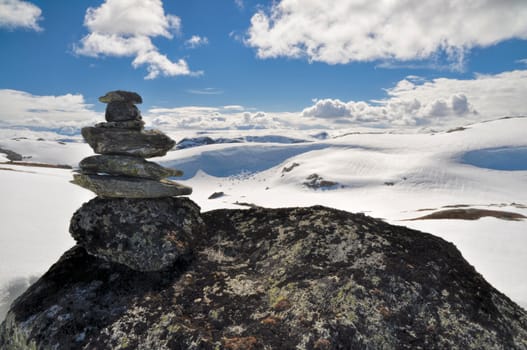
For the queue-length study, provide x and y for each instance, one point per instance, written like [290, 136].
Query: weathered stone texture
[126, 166]
[129, 187]
[298, 278]
[122, 111]
[143, 234]
[121, 96]
[146, 144]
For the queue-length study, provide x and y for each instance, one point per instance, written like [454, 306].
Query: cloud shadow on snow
[239, 160]
[503, 158]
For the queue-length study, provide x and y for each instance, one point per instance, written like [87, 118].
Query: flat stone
[121, 96]
[146, 144]
[122, 111]
[143, 234]
[129, 124]
[126, 166]
[129, 187]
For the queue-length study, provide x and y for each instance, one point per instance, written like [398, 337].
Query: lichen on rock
[292, 278]
[143, 234]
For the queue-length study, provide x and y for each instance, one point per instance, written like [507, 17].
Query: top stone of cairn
[121, 96]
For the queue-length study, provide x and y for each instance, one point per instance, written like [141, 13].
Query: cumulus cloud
[342, 31]
[211, 118]
[125, 28]
[20, 108]
[417, 102]
[327, 108]
[411, 102]
[196, 41]
[19, 14]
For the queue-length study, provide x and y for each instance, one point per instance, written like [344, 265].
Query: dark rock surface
[129, 124]
[216, 195]
[129, 187]
[121, 111]
[11, 155]
[121, 96]
[126, 166]
[146, 144]
[298, 278]
[143, 234]
[315, 182]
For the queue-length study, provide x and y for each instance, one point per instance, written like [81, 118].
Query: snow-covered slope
[392, 175]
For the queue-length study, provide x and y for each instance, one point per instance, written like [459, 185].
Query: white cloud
[437, 102]
[196, 41]
[125, 28]
[20, 108]
[206, 91]
[327, 108]
[19, 14]
[522, 61]
[210, 118]
[240, 4]
[157, 64]
[132, 17]
[411, 102]
[343, 31]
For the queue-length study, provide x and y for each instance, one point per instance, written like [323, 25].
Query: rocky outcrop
[11, 155]
[297, 278]
[315, 182]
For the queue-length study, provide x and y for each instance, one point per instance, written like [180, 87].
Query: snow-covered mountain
[390, 174]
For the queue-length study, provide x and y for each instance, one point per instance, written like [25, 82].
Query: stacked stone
[121, 171]
[136, 219]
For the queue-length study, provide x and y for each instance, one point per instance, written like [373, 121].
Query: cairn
[137, 218]
[121, 171]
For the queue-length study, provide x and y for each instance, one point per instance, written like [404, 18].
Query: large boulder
[146, 144]
[129, 187]
[126, 166]
[297, 278]
[143, 234]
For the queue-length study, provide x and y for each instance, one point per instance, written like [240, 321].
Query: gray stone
[121, 96]
[129, 124]
[11, 155]
[289, 278]
[146, 144]
[143, 234]
[122, 111]
[315, 182]
[129, 187]
[126, 166]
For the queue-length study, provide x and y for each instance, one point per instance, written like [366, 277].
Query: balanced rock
[121, 96]
[126, 166]
[143, 234]
[150, 143]
[129, 187]
[122, 111]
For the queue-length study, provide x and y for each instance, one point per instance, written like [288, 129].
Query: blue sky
[340, 62]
